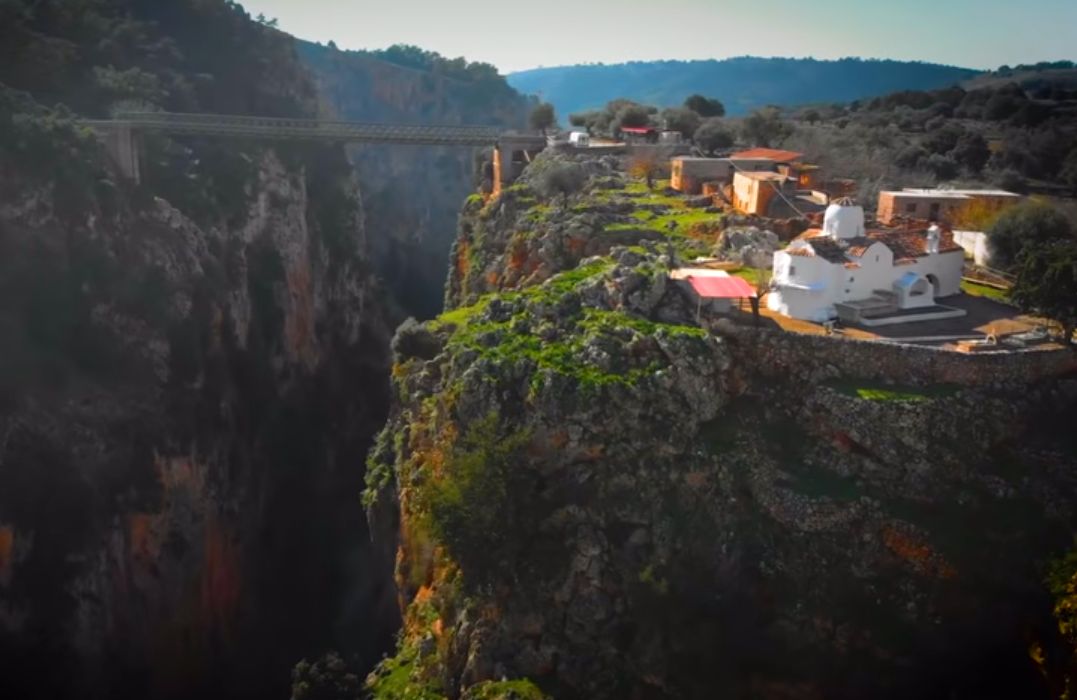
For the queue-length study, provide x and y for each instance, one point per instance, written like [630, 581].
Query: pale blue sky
[515, 35]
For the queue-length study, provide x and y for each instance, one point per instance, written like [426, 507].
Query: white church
[869, 277]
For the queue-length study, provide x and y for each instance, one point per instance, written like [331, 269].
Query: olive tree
[1047, 283]
[561, 178]
[765, 127]
[543, 117]
[1026, 227]
[705, 106]
[712, 136]
[683, 120]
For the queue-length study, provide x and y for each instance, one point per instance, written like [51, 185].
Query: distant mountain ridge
[742, 84]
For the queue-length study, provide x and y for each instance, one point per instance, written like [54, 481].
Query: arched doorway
[934, 285]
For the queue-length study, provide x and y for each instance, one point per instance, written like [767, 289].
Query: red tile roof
[638, 129]
[906, 244]
[721, 287]
[773, 154]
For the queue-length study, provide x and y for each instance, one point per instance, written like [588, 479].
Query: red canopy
[721, 287]
[638, 129]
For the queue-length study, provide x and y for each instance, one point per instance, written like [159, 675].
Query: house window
[876, 258]
[910, 208]
[935, 210]
[792, 270]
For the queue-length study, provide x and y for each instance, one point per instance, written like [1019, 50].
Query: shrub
[1029, 225]
[705, 106]
[944, 167]
[472, 504]
[683, 120]
[560, 178]
[414, 339]
[712, 136]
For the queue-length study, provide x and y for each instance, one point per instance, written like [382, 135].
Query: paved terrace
[983, 316]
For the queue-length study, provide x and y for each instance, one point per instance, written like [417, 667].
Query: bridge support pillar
[511, 156]
[124, 145]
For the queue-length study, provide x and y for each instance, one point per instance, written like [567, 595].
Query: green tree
[971, 152]
[705, 106]
[683, 120]
[765, 127]
[561, 178]
[632, 115]
[327, 678]
[266, 21]
[1047, 284]
[543, 117]
[1025, 227]
[1068, 172]
[811, 116]
[712, 136]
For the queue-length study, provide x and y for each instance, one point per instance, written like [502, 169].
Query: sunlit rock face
[590, 494]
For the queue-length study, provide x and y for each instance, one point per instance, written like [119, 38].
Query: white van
[580, 139]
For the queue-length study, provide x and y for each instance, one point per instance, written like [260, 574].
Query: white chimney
[934, 235]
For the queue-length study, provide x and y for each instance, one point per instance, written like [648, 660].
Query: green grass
[394, 680]
[496, 690]
[513, 340]
[982, 290]
[872, 391]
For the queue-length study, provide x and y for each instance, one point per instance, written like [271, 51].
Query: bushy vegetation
[327, 678]
[1025, 227]
[1019, 137]
[474, 500]
[542, 117]
[1038, 243]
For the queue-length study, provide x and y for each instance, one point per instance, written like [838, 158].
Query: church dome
[843, 219]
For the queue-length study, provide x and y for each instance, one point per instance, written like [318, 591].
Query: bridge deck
[278, 128]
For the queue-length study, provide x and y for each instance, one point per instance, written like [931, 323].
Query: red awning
[721, 287]
[638, 129]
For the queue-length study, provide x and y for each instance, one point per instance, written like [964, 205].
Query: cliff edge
[591, 494]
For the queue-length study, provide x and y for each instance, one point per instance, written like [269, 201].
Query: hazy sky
[516, 35]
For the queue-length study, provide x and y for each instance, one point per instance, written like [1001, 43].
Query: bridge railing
[284, 128]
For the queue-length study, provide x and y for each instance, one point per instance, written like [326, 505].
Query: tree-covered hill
[742, 83]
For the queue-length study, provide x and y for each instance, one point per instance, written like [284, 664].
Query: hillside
[742, 84]
[1012, 129]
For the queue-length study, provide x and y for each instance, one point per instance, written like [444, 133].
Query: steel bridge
[121, 134]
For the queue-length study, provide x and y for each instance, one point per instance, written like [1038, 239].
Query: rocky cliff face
[593, 495]
[413, 194]
[191, 369]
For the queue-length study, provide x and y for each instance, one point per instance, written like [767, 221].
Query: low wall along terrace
[818, 358]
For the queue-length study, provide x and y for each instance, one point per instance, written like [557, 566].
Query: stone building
[943, 206]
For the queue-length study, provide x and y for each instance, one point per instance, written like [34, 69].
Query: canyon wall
[413, 194]
[191, 369]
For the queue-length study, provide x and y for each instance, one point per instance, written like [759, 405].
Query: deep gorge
[193, 369]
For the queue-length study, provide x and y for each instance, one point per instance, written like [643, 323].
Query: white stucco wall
[791, 273]
[808, 287]
[975, 245]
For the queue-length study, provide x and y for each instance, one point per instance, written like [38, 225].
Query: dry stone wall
[819, 358]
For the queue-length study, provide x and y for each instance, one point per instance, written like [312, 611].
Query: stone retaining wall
[817, 358]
